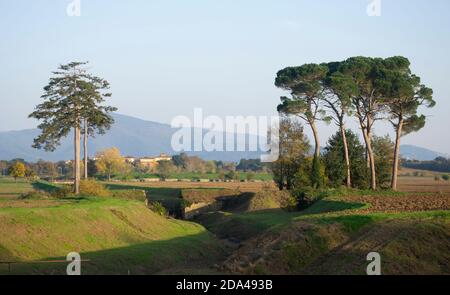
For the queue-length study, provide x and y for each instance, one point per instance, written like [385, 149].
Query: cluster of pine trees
[364, 88]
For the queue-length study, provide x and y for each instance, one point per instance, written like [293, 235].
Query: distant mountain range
[412, 152]
[137, 138]
[134, 137]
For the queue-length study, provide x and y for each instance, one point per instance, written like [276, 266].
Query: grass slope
[335, 235]
[118, 236]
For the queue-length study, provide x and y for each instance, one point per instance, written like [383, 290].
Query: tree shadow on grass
[191, 251]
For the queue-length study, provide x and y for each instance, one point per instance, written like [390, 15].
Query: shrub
[158, 208]
[94, 189]
[318, 176]
[290, 204]
[305, 198]
[437, 178]
[302, 178]
[62, 192]
[232, 175]
[446, 177]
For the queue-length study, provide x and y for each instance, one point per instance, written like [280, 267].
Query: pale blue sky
[163, 58]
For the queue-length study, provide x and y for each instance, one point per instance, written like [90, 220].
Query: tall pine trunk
[317, 180]
[367, 135]
[85, 149]
[77, 135]
[395, 164]
[316, 139]
[368, 141]
[346, 155]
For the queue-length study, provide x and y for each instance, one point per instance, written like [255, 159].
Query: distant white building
[130, 159]
[152, 162]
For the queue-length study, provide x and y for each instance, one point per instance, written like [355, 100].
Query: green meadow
[122, 236]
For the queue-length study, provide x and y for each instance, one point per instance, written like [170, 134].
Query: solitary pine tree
[69, 101]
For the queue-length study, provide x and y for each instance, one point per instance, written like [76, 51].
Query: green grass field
[10, 189]
[118, 236]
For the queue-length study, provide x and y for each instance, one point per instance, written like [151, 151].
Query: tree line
[109, 163]
[440, 164]
[363, 88]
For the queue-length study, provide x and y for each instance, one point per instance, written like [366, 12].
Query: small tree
[335, 163]
[17, 170]
[383, 148]
[293, 150]
[180, 160]
[210, 167]
[30, 173]
[165, 169]
[109, 162]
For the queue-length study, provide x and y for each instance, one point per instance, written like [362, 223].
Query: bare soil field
[423, 184]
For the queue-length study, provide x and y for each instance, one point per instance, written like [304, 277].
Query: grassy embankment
[410, 231]
[336, 233]
[118, 236]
